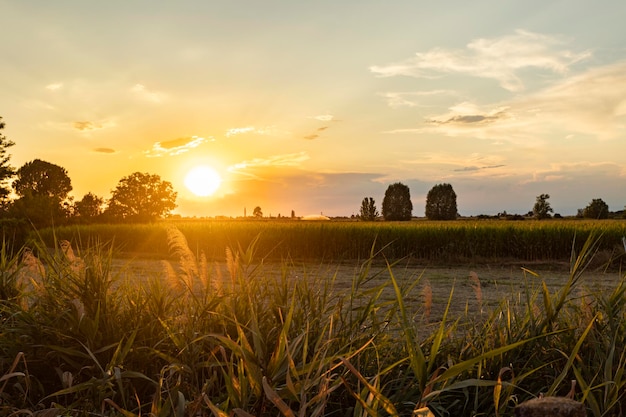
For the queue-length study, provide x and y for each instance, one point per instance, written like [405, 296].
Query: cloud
[285, 160]
[434, 165]
[316, 135]
[175, 147]
[591, 103]
[239, 131]
[468, 114]
[324, 117]
[412, 98]
[54, 86]
[142, 92]
[475, 168]
[82, 126]
[498, 58]
[572, 172]
[88, 126]
[264, 131]
[104, 150]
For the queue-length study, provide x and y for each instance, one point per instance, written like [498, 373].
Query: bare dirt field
[479, 288]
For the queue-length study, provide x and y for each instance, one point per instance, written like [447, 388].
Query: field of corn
[224, 332]
[444, 243]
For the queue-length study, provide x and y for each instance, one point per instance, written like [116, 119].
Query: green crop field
[449, 242]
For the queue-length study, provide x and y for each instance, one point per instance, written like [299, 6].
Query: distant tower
[244, 212]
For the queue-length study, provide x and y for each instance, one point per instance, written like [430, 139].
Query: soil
[475, 289]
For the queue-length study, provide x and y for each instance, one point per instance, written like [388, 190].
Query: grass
[84, 339]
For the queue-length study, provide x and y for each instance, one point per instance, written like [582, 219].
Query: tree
[41, 178]
[397, 203]
[597, 209]
[42, 188]
[542, 208]
[6, 170]
[441, 203]
[89, 207]
[141, 197]
[257, 212]
[368, 209]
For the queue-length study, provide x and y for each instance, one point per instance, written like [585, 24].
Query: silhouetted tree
[41, 178]
[257, 212]
[368, 209]
[397, 203]
[141, 197]
[42, 188]
[90, 207]
[441, 203]
[6, 170]
[597, 209]
[542, 208]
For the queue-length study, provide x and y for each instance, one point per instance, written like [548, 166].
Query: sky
[312, 106]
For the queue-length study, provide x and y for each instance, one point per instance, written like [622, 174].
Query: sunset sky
[313, 105]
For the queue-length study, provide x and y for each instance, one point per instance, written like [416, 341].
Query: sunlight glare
[203, 181]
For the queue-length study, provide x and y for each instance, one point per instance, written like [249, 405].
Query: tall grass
[199, 339]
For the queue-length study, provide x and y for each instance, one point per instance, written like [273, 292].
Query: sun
[203, 181]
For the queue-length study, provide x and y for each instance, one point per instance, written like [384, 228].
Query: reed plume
[475, 283]
[427, 294]
[179, 248]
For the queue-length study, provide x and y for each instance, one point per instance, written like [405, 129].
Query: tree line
[441, 205]
[38, 193]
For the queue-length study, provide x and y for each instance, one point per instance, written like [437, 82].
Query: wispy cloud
[324, 117]
[573, 171]
[264, 131]
[436, 163]
[316, 135]
[499, 58]
[144, 93]
[592, 103]
[175, 147]
[82, 126]
[470, 114]
[413, 98]
[285, 160]
[54, 86]
[89, 126]
[104, 150]
[478, 168]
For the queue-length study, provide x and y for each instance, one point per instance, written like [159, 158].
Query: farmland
[463, 242]
[267, 318]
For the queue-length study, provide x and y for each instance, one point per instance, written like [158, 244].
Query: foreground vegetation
[80, 339]
[431, 242]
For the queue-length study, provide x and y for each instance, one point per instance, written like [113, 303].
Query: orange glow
[203, 181]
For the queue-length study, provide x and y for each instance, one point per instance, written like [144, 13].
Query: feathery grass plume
[30, 278]
[178, 247]
[232, 265]
[171, 277]
[205, 278]
[475, 283]
[76, 263]
[219, 280]
[427, 294]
